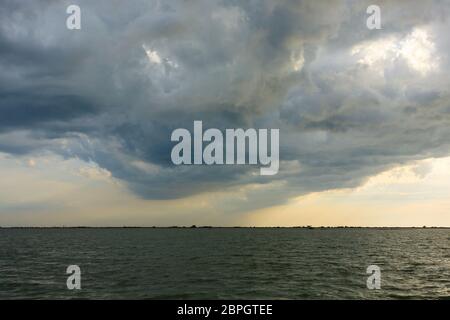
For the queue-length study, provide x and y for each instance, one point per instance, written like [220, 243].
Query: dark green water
[224, 263]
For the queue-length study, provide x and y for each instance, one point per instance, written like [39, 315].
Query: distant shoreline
[220, 227]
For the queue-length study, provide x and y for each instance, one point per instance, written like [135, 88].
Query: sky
[86, 115]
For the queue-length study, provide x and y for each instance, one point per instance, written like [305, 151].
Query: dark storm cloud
[94, 94]
[26, 110]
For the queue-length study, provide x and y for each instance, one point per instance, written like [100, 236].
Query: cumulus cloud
[349, 101]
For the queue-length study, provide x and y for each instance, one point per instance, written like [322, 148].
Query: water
[224, 263]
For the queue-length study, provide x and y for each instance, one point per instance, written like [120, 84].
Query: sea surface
[224, 263]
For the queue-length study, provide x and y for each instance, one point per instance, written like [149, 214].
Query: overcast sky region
[86, 115]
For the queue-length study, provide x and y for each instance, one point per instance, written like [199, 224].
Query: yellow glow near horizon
[413, 195]
[50, 191]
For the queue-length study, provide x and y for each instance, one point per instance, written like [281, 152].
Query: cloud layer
[349, 101]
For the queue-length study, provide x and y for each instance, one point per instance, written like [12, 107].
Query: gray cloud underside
[94, 94]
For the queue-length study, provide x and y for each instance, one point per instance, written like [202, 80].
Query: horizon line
[224, 227]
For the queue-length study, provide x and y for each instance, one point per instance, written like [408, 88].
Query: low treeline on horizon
[216, 227]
